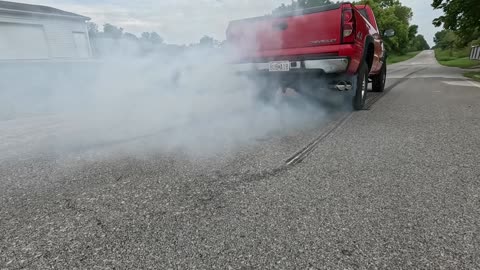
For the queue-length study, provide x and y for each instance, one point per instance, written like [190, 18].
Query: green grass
[456, 58]
[395, 58]
[463, 62]
[473, 75]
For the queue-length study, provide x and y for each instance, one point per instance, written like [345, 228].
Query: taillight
[348, 26]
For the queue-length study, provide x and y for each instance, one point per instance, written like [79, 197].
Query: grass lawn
[473, 75]
[456, 58]
[393, 58]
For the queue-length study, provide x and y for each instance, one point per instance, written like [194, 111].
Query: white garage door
[22, 41]
[81, 44]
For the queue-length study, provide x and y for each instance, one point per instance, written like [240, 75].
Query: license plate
[279, 66]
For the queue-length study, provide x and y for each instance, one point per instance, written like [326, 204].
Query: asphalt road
[396, 186]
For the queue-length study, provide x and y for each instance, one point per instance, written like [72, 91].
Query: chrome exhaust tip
[343, 86]
[348, 86]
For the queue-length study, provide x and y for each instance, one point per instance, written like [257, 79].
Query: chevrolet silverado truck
[336, 47]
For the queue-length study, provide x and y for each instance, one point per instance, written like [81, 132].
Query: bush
[456, 58]
[475, 42]
[448, 55]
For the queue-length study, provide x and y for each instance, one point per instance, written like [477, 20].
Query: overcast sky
[186, 21]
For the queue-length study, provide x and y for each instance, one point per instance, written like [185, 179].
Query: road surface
[396, 186]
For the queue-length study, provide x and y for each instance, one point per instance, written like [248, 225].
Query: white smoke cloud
[193, 101]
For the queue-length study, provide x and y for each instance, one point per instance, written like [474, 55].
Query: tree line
[460, 22]
[112, 37]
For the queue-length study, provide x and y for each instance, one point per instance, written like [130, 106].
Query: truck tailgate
[312, 27]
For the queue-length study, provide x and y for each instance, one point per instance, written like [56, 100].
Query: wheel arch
[369, 52]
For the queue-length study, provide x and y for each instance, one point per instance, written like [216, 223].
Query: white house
[33, 32]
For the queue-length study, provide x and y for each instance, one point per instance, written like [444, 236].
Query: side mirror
[389, 33]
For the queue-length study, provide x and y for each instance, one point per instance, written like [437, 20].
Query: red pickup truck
[335, 46]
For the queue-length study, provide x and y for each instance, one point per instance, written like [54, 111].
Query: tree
[314, 3]
[449, 41]
[92, 29]
[148, 42]
[412, 31]
[207, 42]
[145, 36]
[422, 43]
[439, 36]
[388, 3]
[130, 36]
[152, 38]
[419, 44]
[391, 14]
[446, 39]
[461, 16]
[111, 31]
[156, 38]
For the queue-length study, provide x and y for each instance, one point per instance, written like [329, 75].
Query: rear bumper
[327, 66]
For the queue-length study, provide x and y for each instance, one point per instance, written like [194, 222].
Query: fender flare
[368, 40]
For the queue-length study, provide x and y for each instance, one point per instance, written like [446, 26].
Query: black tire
[378, 81]
[361, 88]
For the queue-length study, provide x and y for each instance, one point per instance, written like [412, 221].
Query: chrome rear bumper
[331, 65]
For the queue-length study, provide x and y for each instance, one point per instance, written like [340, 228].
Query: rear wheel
[378, 81]
[361, 87]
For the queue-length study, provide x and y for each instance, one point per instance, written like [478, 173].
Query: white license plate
[279, 66]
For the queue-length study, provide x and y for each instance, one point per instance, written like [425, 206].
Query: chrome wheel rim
[364, 87]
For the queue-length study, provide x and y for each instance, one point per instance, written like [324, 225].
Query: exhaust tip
[341, 86]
